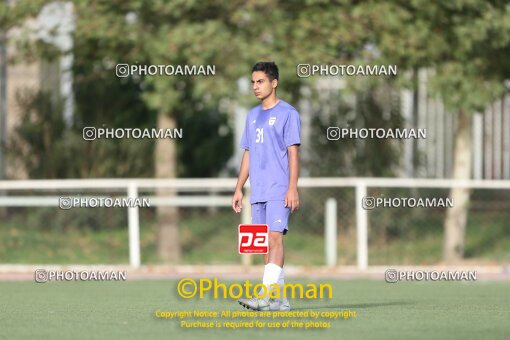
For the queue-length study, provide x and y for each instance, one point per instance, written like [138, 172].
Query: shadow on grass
[360, 305]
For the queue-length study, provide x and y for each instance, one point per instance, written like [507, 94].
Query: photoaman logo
[188, 288]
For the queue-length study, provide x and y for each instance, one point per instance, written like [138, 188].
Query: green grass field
[125, 310]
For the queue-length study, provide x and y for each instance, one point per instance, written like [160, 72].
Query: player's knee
[275, 240]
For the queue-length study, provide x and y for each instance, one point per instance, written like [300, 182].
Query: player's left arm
[292, 197]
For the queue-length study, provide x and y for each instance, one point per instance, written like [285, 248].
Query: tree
[465, 42]
[165, 33]
[11, 15]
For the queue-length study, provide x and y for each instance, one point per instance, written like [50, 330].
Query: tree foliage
[465, 42]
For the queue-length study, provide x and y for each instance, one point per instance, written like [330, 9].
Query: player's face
[262, 86]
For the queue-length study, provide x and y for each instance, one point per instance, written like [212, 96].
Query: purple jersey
[267, 135]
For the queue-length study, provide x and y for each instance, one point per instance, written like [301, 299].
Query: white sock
[281, 283]
[271, 275]
[281, 279]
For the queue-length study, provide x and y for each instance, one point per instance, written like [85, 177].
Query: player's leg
[276, 251]
[258, 216]
[277, 216]
[274, 265]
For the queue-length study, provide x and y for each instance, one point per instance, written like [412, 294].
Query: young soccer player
[271, 142]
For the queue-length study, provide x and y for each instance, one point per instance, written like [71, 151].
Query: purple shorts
[272, 213]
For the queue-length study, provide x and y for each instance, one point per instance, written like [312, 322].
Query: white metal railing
[132, 187]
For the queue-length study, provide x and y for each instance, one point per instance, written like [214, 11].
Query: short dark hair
[268, 67]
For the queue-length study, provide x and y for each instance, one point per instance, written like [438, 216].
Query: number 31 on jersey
[260, 135]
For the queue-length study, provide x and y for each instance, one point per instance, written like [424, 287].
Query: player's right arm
[237, 198]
